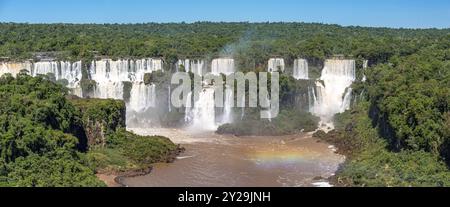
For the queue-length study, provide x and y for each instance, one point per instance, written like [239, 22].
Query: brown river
[213, 160]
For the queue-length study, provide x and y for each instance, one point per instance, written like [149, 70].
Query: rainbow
[283, 157]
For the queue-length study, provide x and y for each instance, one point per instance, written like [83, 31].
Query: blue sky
[379, 13]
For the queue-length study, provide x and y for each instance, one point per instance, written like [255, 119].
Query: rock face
[100, 118]
[95, 132]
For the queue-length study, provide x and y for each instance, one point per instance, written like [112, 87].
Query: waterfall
[194, 66]
[312, 98]
[228, 103]
[109, 90]
[187, 111]
[300, 70]
[365, 65]
[14, 68]
[107, 70]
[266, 102]
[62, 70]
[275, 64]
[332, 93]
[44, 68]
[243, 108]
[143, 66]
[169, 103]
[110, 75]
[72, 73]
[222, 65]
[142, 97]
[202, 114]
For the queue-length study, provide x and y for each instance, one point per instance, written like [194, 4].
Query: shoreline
[115, 179]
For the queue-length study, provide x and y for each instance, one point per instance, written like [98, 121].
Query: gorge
[379, 96]
[123, 79]
[330, 95]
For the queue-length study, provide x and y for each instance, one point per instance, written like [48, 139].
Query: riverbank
[127, 154]
[114, 178]
[372, 163]
[213, 160]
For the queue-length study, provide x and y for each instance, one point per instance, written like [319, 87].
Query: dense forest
[50, 139]
[250, 43]
[396, 134]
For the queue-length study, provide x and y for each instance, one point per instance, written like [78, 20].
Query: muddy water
[228, 161]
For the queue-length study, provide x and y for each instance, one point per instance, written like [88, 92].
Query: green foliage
[371, 163]
[40, 135]
[127, 151]
[87, 86]
[148, 150]
[35, 106]
[158, 78]
[399, 137]
[293, 117]
[405, 142]
[250, 43]
[109, 112]
[41, 132]
[294, 93]
[127, 86]
[148, 78]
[287, 122]
[403, 169]
[46, 171]
[410, 97]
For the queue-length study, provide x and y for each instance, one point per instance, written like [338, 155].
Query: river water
[212, 160]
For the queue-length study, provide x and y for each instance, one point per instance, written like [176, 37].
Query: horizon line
[227, 22]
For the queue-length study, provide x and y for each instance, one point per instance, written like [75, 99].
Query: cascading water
[187, 111]
[365, 65]
[243, 108]
[222, 65]
[228, 103]
[71, 72]
[202, 114]
[61, 70]
[300, 70]
[332, 94]
[143, 66]
[142, 97]
[194, 66]
[169, 104]
[110, 75]
[45, 68]
[14, 68]
[275, 64]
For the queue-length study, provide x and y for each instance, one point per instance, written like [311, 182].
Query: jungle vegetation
[396, 134]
